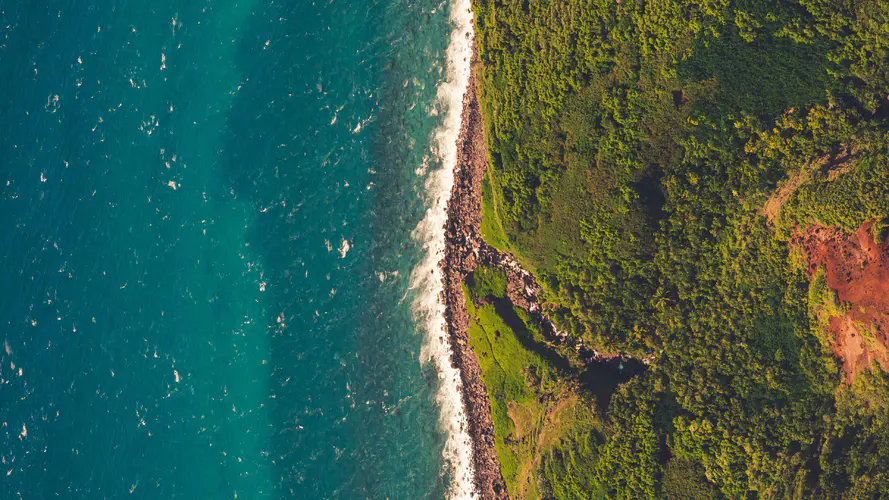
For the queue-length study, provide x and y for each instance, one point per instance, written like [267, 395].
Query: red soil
[858, 270]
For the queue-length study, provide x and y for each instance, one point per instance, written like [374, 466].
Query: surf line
[426, 279]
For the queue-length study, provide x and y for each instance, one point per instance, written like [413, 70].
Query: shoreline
[464, 251]
[427, 277]
[462, 248]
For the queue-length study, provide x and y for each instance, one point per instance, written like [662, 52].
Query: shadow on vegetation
[602, 377]
[765, 77]
[652, 196]
[506, 311]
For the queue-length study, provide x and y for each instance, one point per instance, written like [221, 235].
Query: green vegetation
[546, 432]
[491, 229]
[650, 162]
[487, 282]
[823, 305]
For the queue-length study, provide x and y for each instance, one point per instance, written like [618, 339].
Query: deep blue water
[205, 245]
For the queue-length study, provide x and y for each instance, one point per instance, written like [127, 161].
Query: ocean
[219, 230]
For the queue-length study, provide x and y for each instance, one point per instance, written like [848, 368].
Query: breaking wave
[427, 276]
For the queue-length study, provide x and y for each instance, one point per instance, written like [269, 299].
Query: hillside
[703, 185]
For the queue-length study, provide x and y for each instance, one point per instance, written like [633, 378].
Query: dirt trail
[832, 165]
[857, 269]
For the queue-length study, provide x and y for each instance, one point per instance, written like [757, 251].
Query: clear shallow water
[206, 218]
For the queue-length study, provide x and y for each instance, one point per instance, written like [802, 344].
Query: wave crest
[428, 307]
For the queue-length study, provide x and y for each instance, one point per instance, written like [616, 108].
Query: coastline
[598, 375]
[462, 249]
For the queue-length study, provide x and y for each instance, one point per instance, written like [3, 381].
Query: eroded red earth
[858, 270]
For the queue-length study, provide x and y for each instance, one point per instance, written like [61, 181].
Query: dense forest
[658, 166]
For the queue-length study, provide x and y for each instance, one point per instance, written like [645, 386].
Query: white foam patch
[345, 246]
[427, 277]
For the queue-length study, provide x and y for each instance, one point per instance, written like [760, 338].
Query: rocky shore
[461, 258]
[465, 250]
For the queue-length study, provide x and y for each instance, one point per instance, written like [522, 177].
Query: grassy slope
[632, 146]
[545, 431]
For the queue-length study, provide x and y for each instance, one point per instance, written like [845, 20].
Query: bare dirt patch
[785, 191]
[857, 269]
[522, 418]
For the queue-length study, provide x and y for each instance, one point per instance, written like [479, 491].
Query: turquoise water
[206, 212]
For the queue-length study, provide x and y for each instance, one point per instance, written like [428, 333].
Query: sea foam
[427, 277]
